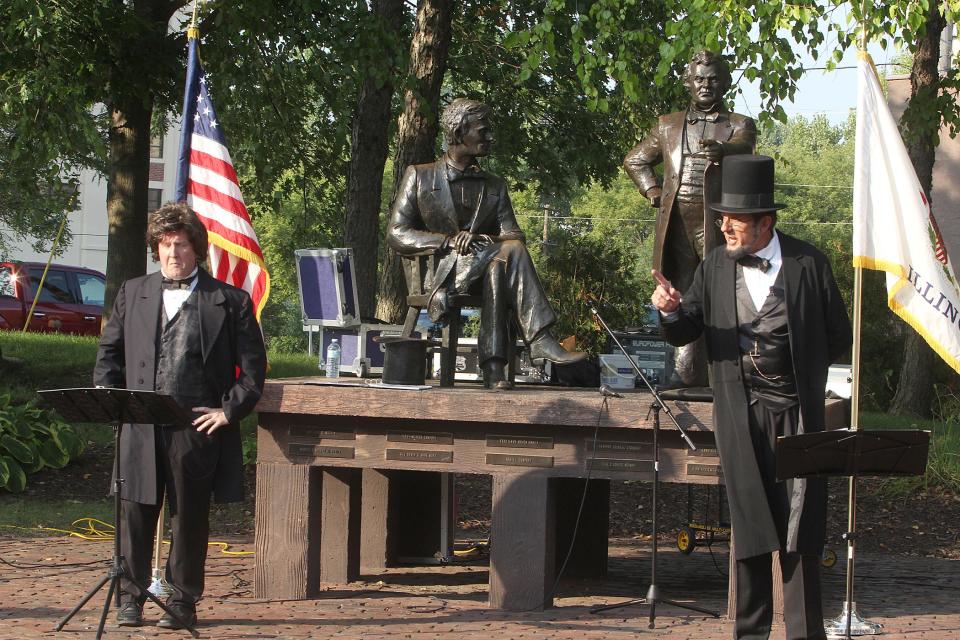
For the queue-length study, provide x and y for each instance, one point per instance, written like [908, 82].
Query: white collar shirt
[173, 299]
[759, 282]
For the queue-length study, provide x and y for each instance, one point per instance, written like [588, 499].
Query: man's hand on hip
[665, 298]
[210, 421]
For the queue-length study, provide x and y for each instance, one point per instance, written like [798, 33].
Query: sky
[832, 93]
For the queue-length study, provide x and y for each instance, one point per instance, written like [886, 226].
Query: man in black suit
[454, 209]
[182, 333]
[774, 321]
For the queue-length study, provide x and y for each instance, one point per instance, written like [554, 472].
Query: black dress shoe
[546, 347]
[185, 613]
[130, 614]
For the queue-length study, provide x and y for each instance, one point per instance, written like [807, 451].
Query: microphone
[607, 392]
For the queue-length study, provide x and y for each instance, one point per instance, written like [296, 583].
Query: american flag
[207, 182]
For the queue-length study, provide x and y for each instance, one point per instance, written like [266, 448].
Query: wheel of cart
[829, 558]
[707, 519]
[686, 540]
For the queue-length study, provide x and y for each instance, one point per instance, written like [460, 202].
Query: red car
[71, 300]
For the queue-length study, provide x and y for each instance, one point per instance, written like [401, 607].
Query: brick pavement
[40, 582]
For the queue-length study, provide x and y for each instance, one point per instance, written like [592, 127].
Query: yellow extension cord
[98, 531]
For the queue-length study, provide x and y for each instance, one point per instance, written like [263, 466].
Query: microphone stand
[653, 593]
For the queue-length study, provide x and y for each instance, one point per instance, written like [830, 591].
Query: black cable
[576, 526]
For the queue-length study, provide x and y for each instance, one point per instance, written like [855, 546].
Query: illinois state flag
[893, 228]
[208, 183]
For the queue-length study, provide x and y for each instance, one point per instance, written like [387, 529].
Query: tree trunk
[915, 386]
[418, 129]
[368, 155]
[128, 178]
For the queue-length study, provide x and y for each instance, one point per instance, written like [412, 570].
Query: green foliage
[599, 248]
[943, 460]
[30, 440]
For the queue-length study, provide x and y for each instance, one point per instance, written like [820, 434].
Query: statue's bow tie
[698, 116]
[754, 262]
[170, 283]
[473, 171]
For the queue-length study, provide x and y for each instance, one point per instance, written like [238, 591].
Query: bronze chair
[418, 270]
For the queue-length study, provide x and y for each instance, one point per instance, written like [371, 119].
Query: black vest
[764, 339]
[180, 358]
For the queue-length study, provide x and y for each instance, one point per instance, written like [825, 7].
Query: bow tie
[473, 171]
[698, 116]
[171, 284]
[754, 262]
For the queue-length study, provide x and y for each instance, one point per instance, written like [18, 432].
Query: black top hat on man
[747, 185]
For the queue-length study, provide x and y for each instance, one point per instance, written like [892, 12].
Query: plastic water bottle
[333, 359]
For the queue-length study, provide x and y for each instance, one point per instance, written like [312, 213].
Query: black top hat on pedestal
[747, 185]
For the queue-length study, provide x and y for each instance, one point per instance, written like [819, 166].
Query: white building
[88, 223]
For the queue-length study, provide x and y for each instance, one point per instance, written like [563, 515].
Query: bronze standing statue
[688, 143]
[455, 209]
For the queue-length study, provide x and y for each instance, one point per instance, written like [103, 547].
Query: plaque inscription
[307, 431]
[621, 448]
[520, 442]
[519, 460]
[419, 455]
[704, 470]
[618, 464]
[704, 452]
[421, 437]
[301, 450]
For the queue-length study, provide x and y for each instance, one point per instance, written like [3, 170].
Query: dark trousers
[509, 282]
[802, 607]
[188, 485]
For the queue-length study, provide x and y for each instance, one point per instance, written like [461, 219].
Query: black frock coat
[819, 334]
[231, 342]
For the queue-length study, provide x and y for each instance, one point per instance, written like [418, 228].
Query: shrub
[31, 439]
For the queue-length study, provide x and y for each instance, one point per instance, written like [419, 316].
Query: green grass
[943, 462]
[44, 361]
[23, 516]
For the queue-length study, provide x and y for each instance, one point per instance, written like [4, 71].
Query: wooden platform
[326, 453]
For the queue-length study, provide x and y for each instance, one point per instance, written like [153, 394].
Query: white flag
[892, 228]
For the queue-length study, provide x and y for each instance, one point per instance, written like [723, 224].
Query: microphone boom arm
[656, 396]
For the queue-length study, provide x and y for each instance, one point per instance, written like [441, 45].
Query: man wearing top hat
[774, 321]
[462, 214]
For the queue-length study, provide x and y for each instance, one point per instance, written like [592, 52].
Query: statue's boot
[546, 347]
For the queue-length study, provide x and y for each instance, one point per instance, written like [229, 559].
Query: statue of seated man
[463, 214]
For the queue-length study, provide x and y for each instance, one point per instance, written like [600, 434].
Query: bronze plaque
[421, 437]
[630, 449]
[419, 455]
[521, 442]
[704, 470]
[704, 452]
[307, 431]
[519, 460]
[617, 464]
[301, 450]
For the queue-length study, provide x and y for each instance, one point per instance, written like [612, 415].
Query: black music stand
[116, 407]
[852, 453]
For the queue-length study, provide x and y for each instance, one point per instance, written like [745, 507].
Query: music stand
[852, 453]
[116, 407]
